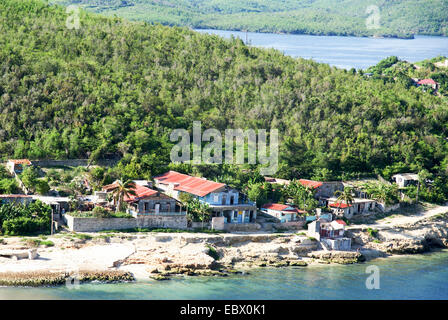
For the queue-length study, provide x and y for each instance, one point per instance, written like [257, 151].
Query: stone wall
[291, 225]
[98, 224]
[242, 227]
[75, 162]
[386, 208]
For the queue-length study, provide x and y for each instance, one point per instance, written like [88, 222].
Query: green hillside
[114, 88]
[398, 18]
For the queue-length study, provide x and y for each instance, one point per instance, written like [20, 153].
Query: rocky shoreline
[48, 278]
[129, 257]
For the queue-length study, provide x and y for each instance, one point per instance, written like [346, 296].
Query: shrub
[212, 252]
[372, 232]
[25, 225]
[120, 215]
[100, 212]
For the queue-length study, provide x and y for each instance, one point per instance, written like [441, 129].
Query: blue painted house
[224, 201]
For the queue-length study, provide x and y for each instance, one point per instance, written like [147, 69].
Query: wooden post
[52, 218]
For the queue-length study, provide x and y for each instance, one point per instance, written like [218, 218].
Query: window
[146, 206]
[215, 198]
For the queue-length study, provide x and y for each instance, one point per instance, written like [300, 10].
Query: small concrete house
[358, 206]
[283, 212]
[342, 209]
[428, 82]
[405, 179]
[331, 234]
[149, 202]
[277, 181]
[223, 201]
[16, 166]
[323, 189]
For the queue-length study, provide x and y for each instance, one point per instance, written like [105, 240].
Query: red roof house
[340, 205]
[16, 165]
[428, 82]
[311, 183]
[283, 212]
[140, 193]
[182, 182]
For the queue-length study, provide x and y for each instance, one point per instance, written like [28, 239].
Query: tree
[423, 175]
[301, 196]
[42, 187]
[345, 196]
[258, 193]
[381, 192]
[96, 176]
[196, 210]
[121, 191]
[29, 177]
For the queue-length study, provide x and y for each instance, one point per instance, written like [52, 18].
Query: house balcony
[241, 206]
[153, 212]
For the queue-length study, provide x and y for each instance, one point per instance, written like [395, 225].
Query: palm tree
[198, 209]
[345, 196]
[122, 190]
[382, 192]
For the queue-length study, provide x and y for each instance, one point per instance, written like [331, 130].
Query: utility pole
[418, 190]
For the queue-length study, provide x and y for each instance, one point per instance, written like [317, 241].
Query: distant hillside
[398, 18]
[394, 70]
[114, 88]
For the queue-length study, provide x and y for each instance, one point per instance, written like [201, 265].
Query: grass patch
[212, 252]
[109, 215]
[372, 232]
[439, 216]
[81, 236]
[38, 242]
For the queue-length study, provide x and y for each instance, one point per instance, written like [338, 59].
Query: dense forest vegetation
[117, 89]
[398, 18]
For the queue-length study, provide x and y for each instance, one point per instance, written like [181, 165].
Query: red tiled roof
[427, 81]
[340, 205]
[341, 222]
[311, 183]
[20, 161]
[275, 206]
[140, 192]
[14, 196]
[281, 207]
[194, 185]
[109, 187]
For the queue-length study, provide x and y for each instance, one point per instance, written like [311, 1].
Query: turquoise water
[345, 52]
[405, 277]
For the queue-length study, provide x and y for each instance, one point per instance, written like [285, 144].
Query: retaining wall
[75, 162]
[97, 224]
